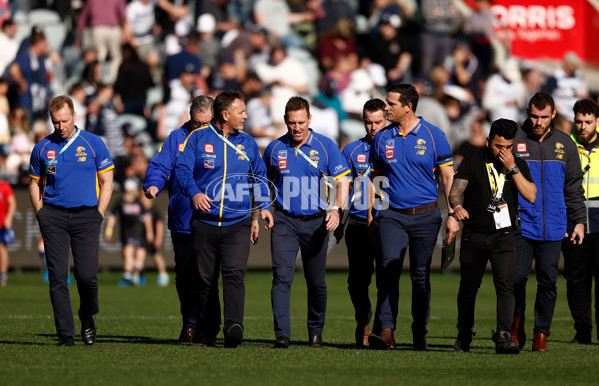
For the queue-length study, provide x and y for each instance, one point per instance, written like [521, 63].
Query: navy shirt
[410, 163]
[296, 181]
[72, 180]
[161, 171]
[208, 165]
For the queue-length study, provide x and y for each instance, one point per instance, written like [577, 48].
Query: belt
[418, 209]
[305, 218]
[357, 219]
[76, 209]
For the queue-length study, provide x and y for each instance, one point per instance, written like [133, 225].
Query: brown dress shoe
[281, 342]
[518, 334]
[362, 333]
[539, 342]
[315, 341]
[383, 341]
[187, 335]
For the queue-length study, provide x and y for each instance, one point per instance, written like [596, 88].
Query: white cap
[206, 23]
[130, 184]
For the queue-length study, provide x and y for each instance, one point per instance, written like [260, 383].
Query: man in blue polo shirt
[362, 251]
[303, 166]
[408, 152]
[161, 172]
[221, 170]
[71, 184]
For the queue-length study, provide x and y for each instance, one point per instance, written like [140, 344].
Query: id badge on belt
[502, 216]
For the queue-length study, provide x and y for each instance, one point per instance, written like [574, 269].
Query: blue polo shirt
[410, 163]
[161, 172]
[357, 155]
[72, 180]
[296, 181]
[208, 165]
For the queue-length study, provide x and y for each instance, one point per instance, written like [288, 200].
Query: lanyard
[497, 181]
[326, 176]
[589, 155]
[69, 142]
[238, 150]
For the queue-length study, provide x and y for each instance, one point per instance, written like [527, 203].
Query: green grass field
[138, 327]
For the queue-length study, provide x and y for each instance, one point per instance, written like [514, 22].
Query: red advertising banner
[549, 28]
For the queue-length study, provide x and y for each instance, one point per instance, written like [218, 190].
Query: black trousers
[362, 253]
[581, 265]
[225, 249]
[477, 248]
[186, 280]
[78, 231]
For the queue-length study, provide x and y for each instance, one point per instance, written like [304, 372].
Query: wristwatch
[338, 209]
[514, 169]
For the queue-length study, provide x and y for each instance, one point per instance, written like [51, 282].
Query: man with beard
[484, 196]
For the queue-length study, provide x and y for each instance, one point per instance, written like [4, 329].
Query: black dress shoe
[281, 342]
[64, 340]
[234, 336]
[88, 331]
[315, 341]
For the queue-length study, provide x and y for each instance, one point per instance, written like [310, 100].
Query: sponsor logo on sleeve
[390, 144]
[282, 164]
[51, 154]
[104, 162]
[389, 153]
[282, 154]
[180, 147]
[208, 148]
[361, 158]
[338, 167]
[521, 147]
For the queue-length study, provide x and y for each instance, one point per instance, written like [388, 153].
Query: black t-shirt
[132, 219]
[477, 195]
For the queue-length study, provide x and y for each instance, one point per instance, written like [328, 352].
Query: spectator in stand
[142, 26]
[108, 127]
[133, 82]
[334, 42]
[473, 145]
[8, 207]
[230, 74]
[107, 20]
[170, 15]
[4, 112]
[210, 46]
[566, 86]
[8, 43]
[187, 59]
[277, 18]
[479, 28]
[505, 94]
[218, 9]
[464, 69]
[287, 77]
[77, 95]
[441, 20]
[28, 73]
[172, 114]
[386, 48]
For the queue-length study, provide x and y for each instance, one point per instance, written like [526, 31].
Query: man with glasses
[161, 173]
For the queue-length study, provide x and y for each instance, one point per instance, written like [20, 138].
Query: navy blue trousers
[397, 232]
[546, 255]
[290, 235]
[77, 231]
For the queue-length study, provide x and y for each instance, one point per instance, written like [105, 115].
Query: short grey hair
[201, 104]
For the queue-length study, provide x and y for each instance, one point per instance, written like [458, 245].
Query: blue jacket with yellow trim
[556, 171]
[208, 165]
[161, 172]
[589, 161]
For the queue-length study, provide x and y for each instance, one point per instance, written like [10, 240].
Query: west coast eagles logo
[242, 148]
[81, 154]
[314, 155]
[559, 149]
[420, 148]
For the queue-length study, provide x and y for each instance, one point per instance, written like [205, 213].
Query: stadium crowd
[132, 68]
